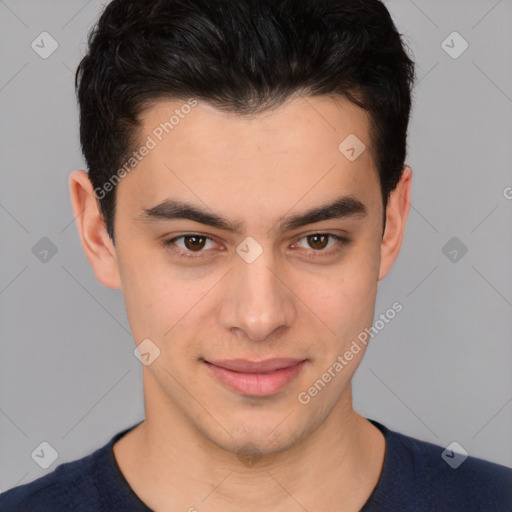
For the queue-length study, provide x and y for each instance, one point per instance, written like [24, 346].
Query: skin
[292, 301]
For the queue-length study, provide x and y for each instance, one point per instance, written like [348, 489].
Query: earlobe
[97, 245]
[397, 212]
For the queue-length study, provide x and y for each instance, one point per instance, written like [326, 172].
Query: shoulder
[418, 475]
[70, 486]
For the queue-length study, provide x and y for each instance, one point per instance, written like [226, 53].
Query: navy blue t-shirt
[416, 477]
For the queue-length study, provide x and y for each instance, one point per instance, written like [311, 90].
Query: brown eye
[190, 245]
[323, 244]
[318, 241]
[194, 242]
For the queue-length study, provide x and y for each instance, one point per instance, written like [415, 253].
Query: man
[247, 192]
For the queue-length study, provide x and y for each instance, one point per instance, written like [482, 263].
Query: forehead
[301, 125]
[309, 149]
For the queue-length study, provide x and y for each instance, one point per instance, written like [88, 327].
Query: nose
[256, 302]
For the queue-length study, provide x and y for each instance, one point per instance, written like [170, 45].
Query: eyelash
[343, 241]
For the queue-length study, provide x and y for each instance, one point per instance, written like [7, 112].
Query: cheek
[150, 298]
[162, 300]
[345, 298]
[162, 304]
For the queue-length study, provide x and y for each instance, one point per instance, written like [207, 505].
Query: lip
[256, 378]
[248, 366]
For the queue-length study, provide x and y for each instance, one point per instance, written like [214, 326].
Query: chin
[258, 438]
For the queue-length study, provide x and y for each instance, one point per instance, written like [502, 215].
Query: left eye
[321, 241]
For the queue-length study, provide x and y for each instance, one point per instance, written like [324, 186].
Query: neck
[172, 466]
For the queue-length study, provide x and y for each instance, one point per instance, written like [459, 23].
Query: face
[248, 251]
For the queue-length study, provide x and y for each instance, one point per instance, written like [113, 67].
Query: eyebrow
[169, 209]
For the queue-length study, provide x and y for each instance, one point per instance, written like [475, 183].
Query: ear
[396, 217]
[97, 245]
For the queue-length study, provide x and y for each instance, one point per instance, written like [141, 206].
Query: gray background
[440, 371]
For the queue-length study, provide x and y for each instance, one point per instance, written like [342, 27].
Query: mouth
[255, 378]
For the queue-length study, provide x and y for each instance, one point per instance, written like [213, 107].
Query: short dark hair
[242, 56]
